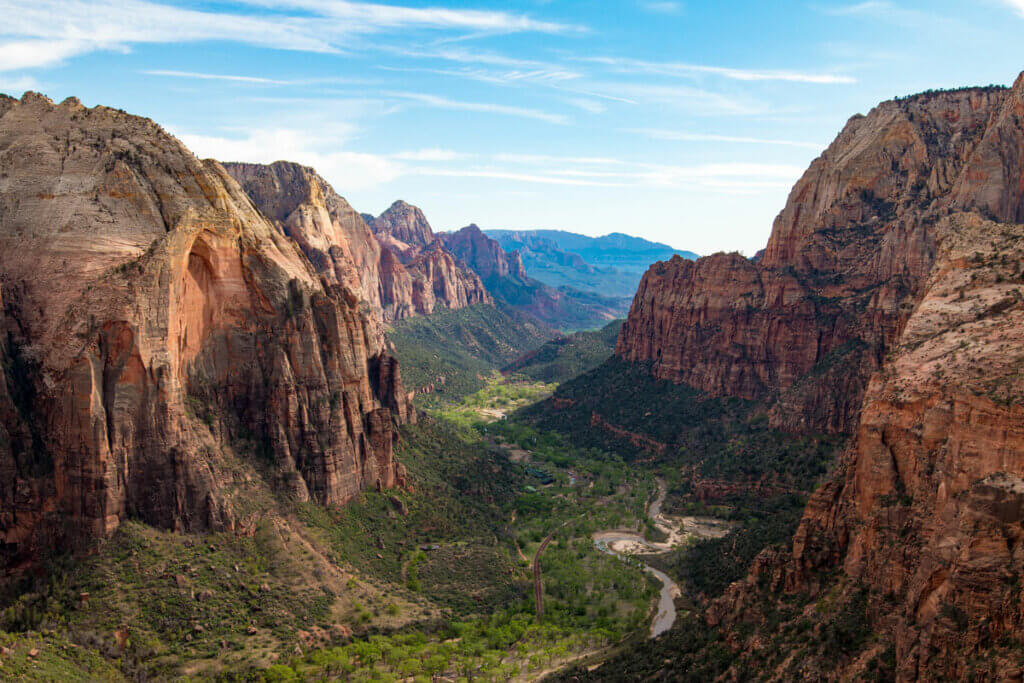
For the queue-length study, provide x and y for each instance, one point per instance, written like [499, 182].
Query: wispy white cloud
[47, 32]
[591, 106]
[633, 66]
[680, 136]
[439, 102]
[522, 177]
[518, 158]
[543, 76]
[372, 16]
[26, 54]
[868, 7]
[324, 148]
[16, 85]
[345, 170]
[1017, 5]
[432, 154]
[684, 98]
[883, 10]
[217, 77]
[610, 172]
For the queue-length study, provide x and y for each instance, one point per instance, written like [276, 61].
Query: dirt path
[538, 590]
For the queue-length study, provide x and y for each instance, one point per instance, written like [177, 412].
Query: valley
[249, 433]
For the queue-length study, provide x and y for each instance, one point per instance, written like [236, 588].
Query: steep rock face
[404, 223]
[398, 279]
[331, 234]
[483, 254]
[928, 503]
[805, 325]
[157, 331]
[421, 273]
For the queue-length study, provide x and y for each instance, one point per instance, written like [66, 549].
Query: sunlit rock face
[158, 330]
[925, 509]
[806, 324]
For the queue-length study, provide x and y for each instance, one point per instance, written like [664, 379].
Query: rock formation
[505, 278]
[161, 339]
[927, 505]
[805, 325]
[396, 278]
[484, 255]
[888, 303]
[306, 208]
[405, 224]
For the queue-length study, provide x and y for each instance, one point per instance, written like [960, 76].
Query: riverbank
[626, 544]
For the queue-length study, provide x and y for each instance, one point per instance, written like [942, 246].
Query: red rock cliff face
[421, 273]
[157, 331]
[483, 254]
[331, 234]
[927, 506]
[398, 279]
[926, 509]
[404, 223]
[805, 326]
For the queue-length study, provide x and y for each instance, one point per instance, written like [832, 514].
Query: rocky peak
[406, 223]
[805, 325]
[483, 254]
[329, 231]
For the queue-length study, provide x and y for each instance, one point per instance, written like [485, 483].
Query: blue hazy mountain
[611, 265]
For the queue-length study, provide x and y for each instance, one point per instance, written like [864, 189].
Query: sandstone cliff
[405, 224]
[396, 278]
[306, 208]
[916, 538]
[483, 254]
[925, 511]
[160, 338]
[805, 325]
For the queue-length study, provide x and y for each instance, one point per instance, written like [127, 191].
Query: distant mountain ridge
[611, 265]
[506, 279]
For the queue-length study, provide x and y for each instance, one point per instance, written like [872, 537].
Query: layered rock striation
[397, 278]
[925, 511]
[909, 229]
[484, 255]
[805, 325]
[160, 337]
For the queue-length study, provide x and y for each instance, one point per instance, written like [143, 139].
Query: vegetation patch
[562, 359]
[448, 355]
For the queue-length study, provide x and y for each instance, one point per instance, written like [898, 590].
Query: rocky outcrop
[805, 325]
[161, 340]
[306, 208]
[927, 506]
[917, 537]
[484, 255]
[404, 224]
[396, 278]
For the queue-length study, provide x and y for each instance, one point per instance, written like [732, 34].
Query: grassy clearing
[449, 354]
[499, 397]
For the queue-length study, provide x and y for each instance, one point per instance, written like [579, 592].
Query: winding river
[627, 544]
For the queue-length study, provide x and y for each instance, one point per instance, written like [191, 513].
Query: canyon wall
[909, 228]
[161, 341]
[805, 325]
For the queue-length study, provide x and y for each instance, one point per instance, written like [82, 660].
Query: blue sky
[683, 122]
